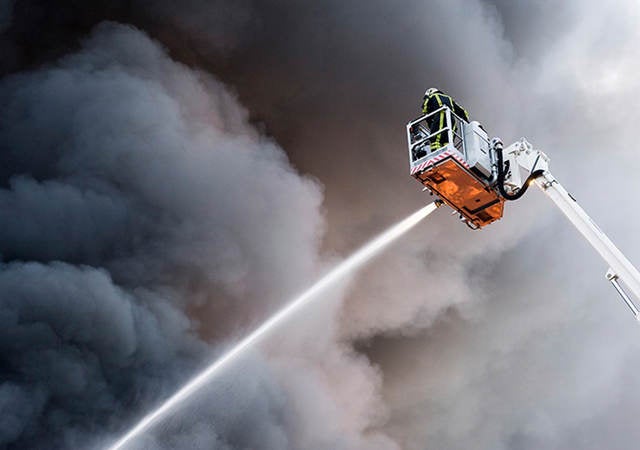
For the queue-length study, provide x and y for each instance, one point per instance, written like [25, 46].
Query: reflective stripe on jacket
[437, 122]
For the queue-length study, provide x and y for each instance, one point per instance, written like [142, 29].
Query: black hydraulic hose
[501, 174]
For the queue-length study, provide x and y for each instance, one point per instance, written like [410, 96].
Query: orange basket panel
[462, 191]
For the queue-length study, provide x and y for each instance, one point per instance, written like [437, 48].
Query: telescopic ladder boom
[620, 268]
[526, 165]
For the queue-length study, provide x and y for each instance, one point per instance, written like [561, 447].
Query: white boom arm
[620, 267]
[522, 158]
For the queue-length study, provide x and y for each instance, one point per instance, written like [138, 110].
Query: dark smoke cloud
[135, 191]
[508, 338]
[76, 348]
[6, 12]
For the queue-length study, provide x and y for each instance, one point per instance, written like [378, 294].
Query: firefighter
[433, 100]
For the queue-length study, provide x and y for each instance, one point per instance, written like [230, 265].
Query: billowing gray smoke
[133, 192]
[135, 182]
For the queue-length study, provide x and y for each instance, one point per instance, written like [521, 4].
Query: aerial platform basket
[459, 170]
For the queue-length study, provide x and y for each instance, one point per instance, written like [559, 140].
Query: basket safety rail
[419, 133]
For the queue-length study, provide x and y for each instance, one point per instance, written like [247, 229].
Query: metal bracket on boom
[613, 277]
[521, 160]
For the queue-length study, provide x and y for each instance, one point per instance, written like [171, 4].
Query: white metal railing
[419, 134]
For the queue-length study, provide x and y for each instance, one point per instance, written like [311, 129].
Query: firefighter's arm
[460, 111]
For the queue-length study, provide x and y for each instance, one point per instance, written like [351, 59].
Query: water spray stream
[347, 266]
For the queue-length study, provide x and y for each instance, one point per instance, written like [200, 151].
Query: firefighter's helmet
[429, 92]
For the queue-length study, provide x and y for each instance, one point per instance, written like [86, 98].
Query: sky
[170, 175]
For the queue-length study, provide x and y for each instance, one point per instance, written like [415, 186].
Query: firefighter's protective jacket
[437, 122]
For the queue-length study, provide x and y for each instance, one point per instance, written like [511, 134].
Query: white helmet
[429, 92]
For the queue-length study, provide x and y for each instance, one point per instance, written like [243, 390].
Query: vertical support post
[410, 143]
[449, 126]
[462, 132]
